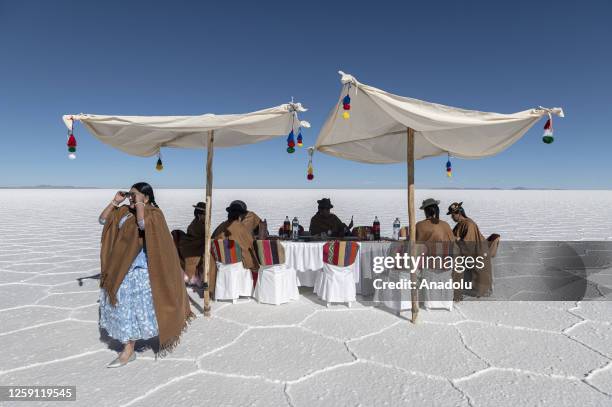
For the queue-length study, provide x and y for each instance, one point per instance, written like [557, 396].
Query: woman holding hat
[142, 295]
[191, 245]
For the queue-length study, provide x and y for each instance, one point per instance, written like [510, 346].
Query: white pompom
[72, 156]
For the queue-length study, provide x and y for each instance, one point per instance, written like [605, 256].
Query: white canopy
[145, 135]
[376, 129]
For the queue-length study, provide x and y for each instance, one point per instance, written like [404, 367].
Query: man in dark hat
[251, 221]
[325, 222]
[234, 229]
[471, 243]
[191, 244]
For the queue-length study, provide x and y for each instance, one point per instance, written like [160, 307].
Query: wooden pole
[414, 293]
[207, 225]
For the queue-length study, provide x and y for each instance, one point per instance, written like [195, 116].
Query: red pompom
[291, 143]
[310, 177]
[547, 125]
[346, 106]
[71, 141]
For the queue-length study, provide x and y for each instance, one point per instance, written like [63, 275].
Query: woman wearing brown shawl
[234, 229]
[142, 292]
[472, 243]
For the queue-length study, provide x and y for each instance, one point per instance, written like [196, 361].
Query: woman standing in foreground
[142, 291]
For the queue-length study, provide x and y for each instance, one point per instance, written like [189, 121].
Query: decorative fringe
[168, 347]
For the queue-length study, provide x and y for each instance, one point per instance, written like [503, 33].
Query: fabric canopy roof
[376, 129]
[145, 135]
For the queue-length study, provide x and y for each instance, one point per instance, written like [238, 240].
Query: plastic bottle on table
[295, 228]
[286, 227]
[396, 229]
[376, 228]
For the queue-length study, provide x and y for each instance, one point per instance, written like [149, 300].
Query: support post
[207, 223]
[414, 293]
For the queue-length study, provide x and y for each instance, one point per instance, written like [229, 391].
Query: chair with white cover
[276, 283]
[233, 280]
[336, 283]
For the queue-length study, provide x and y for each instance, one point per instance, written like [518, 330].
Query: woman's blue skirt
[133, 317]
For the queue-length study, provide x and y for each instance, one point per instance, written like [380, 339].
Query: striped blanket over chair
[226, 251]
[340, 253]
[270, 252]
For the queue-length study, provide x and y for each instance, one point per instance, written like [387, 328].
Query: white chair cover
[233, 281]
[276, 284]
[400, 300]
[336, 284]
[437, 299]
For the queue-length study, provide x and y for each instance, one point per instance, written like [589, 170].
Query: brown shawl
[473, 243]
[192, 244]
[119, 249]
[237, 231]
[324, 222]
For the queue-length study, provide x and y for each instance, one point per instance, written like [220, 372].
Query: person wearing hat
[234, 229]
[438, 237]
[251, 220]
[324, 221]
[471, 243]
[191, 244]
[432, 229]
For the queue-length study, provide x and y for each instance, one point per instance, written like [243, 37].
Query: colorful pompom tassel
[449, 168]
[548, 131]
[310, 171]
[72, 144]
[346, 105]
[291, 143]
[300, 139]
[159, 166]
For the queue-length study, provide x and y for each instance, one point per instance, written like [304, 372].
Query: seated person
[191, 244]
[324, 221]
[233, 228]
[252, 222]
[472, 243]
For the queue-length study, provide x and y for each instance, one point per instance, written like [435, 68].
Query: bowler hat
[200, 207]
[455, 207]
[325, 203]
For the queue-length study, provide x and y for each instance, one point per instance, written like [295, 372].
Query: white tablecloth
[307, 260]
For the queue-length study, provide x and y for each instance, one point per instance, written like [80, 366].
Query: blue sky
[140, 58]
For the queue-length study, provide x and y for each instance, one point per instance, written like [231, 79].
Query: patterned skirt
[133, 317]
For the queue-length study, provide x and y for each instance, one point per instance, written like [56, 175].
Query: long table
[307, 259]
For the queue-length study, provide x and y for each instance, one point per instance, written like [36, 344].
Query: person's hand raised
[119, 197]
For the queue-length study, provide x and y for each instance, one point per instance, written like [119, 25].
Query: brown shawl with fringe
[120, 246]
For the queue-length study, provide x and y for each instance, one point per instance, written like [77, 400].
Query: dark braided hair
[432, 212]
[146, 190]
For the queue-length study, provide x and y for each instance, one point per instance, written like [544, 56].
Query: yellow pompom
[449, 174]
[346, 115]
